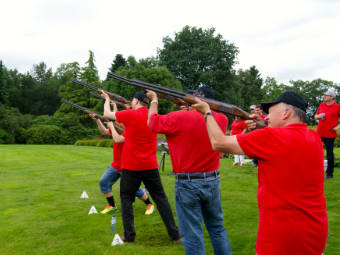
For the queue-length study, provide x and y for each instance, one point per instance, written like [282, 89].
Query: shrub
[4, 136]
[45, 134]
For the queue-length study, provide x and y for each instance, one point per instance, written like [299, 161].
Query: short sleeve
[164, 124]
[125, 116]
[258, 143]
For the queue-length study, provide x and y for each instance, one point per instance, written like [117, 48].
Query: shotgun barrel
[98, 96]
[87, 111]
[97, 116]
[111, 95]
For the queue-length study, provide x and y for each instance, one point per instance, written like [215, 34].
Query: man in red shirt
[259, 111]
[113, 171]
[292, 205]
[197, 186]
[139, 164]
[328, 115]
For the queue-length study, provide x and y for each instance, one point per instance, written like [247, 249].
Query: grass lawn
[41, 211]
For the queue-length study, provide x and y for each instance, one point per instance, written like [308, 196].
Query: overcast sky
[287, 40]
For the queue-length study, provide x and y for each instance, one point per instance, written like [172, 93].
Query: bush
[4, 136]
[45, 134]
[95, 142]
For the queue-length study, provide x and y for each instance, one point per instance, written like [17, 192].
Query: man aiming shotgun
[292, 205]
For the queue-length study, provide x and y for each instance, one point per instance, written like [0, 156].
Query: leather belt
[189, 176]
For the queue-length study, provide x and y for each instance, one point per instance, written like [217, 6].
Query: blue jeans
[198, 199]
[109, 178]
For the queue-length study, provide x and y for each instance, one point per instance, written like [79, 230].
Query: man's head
[139, 99]
[286, 109]
[329, 95]
[258, 110]
[252, 109]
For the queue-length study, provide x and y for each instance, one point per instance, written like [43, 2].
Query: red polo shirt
[332, 114]
[140, 146]
[117, 154]
[292, 205]
[189, 145]
[237, 127]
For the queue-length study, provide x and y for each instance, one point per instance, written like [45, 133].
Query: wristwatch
[206, 116]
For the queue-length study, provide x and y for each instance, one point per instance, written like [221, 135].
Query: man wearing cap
[328, 115]
[252, 109]
[292, 205]
[197, 185]
[139, 164]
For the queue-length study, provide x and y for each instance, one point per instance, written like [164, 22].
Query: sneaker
[149, 209]
[109, 209]
[241, 164]
[235, 164]
[179, 240]
[124, 239]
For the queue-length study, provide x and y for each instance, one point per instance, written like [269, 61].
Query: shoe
[124, 239]
[235, 164]
[328, 177]
[149, 209]
[179, 240]
[109, 209]
[241, 164]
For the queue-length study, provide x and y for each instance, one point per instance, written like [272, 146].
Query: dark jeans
[129, 184]
[329, 144]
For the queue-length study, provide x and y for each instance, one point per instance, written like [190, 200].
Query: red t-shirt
[117, 154]
[237, 127]
[263, 116]
[189, 145]
[332, 114]
[292, 205]
[140, 146]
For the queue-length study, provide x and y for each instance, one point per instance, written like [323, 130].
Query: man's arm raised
[219, 141]
[107, 110]
[153, 104]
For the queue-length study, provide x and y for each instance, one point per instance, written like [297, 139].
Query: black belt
[189, 176]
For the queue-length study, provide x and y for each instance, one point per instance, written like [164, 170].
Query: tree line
[32, 108]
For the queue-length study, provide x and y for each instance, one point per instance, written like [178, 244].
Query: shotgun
[186, 98]
[97, 116]
[98, 96]
[111, 95]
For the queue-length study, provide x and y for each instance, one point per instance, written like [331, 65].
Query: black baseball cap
[141, 96]
[288, 97]
[203, 91]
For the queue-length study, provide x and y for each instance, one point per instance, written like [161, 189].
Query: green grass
[41, 211]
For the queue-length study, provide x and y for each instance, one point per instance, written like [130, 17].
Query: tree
[250, 83]
[118, 62]
[76, 93]
[272, 89]
[196, 56]
[3, 85]
[89, 72]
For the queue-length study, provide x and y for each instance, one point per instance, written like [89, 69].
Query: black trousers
[329, 144]
[129, 184]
